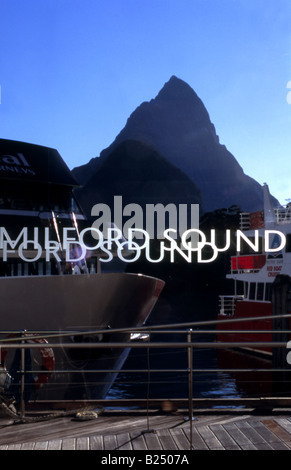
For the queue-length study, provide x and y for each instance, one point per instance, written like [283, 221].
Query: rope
[83, 413]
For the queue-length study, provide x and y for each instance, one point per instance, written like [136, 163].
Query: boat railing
[244, 221]
[251, 220]
[283, 215]
[227, 304]
[255, 220]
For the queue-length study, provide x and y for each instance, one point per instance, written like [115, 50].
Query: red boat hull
[244, 310]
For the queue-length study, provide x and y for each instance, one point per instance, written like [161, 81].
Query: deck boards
[111, 432]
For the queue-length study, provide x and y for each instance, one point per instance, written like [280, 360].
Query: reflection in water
[216, 374]
[208, 380]
[252, 375]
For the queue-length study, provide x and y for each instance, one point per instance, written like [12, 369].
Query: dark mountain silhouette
[140, 175]
[177, 126]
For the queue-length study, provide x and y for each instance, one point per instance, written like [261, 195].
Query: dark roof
[24, 162]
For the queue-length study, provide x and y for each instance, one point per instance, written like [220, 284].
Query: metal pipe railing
[189, 329]
[144, 328]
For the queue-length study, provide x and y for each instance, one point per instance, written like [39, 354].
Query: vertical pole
[148, 383]
[190, 382]
[22, 410]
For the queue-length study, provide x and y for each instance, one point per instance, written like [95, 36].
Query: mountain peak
[177, 89]
[176, 125]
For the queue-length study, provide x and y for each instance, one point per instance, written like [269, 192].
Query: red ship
[254, 273]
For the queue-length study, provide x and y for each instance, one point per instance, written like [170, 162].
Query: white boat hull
[58, 304]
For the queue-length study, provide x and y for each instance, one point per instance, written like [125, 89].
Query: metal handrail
[157, 345]
[189, 329]
[12, 343]
[143, 328]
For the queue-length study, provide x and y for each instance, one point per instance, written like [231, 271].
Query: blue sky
[72, 71]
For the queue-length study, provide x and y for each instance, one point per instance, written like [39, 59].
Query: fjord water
[165, 374]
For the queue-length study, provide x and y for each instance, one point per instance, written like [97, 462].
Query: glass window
[288, 243]
[252, 294]
[268, 293]
[246, 289]
[260, 291]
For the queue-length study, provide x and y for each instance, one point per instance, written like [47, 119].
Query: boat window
[268, 293]
[246, 289]
[252, 293]
[240, 288]
[260, 291]
[288, 243]
[37, 197]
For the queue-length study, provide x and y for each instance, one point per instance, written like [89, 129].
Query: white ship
[41, 296]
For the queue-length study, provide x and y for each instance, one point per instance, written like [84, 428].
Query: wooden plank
[285, 423]
[41, 445]
[61, 428]
[180, 438]
[27, 446]
[82, 443]
[138, 441]
[223, 419]
[224, 437]
[210, 438]
[278, 430]
[55, 444]
[268, 435]
[69, 443]
[152, 441]
[44, 430]
[96, 442]
[166, 439]
[110, 442]
[258, 441]
[197, 441]
[243, 442]
[12, 435]
[123, 441]
[14, 447]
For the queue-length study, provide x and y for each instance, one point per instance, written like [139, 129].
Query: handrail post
[22, 407]
[190, 382]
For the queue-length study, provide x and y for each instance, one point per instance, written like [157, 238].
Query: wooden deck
[114, 431]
